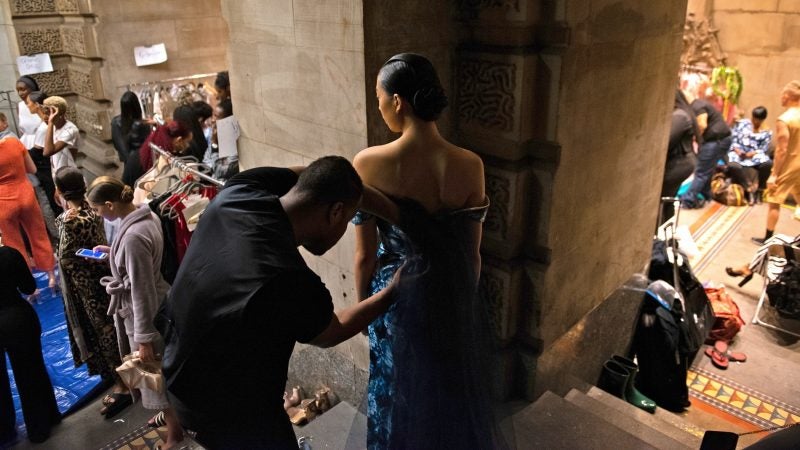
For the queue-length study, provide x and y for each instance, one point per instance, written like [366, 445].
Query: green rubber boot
[632, 395]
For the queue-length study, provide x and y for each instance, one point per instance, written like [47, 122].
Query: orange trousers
[24, 212]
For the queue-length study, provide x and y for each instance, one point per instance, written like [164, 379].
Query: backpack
[726, 192]
[728, 321]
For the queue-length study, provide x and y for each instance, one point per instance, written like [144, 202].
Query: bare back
[436, 174]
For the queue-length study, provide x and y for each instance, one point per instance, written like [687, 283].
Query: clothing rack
[169, 80]
[176, 162]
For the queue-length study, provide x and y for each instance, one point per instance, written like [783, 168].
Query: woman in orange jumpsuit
[19, 209]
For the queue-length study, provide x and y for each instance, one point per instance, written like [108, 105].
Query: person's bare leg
[174, 429]
[773, 215]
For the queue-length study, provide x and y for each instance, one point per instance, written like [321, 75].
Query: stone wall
[297, 81]
[8, 57]
[91, 46]
[568, 104]
[762, 39]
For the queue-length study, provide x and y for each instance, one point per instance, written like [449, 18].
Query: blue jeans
[710, 153]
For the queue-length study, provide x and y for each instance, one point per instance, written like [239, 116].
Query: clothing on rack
[178, 192]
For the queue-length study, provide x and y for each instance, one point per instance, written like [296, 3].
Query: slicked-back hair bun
[413, 77]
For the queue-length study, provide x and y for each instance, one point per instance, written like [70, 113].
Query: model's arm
[365, 257]
[474, 175]
[781, 148]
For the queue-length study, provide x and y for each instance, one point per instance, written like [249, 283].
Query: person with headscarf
[785, 176]
[28, 120]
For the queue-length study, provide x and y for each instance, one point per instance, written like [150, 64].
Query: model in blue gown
[428, 385]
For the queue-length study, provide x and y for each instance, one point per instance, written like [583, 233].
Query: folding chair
[769, 262]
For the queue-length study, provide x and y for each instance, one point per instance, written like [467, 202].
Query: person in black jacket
[129, 129]
[714, 146]
[681, 160]
[20, 339]
[187, 116]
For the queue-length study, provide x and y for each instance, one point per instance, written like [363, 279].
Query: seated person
[749, 164]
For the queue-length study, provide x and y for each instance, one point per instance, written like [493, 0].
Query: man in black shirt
[244, 295]
[716, 142]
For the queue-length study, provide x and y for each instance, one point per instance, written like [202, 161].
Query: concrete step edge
[655, 432]
[661, 414]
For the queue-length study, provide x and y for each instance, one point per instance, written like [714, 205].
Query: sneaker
[757, 240]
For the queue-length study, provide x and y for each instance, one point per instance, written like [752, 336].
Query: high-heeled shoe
[303, 413]
[737, 272]
[294, 399]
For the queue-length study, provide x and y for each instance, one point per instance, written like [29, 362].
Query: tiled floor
[768, 378]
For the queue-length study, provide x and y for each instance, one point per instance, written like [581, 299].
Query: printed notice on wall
[32, 64]
[227, 134]
[149, 55]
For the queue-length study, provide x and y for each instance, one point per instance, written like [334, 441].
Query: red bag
[728, 319]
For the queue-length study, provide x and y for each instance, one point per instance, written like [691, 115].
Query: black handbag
[784, 292]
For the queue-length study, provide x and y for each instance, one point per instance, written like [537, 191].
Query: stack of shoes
[721, 356]
[619, 377]
[301, 411]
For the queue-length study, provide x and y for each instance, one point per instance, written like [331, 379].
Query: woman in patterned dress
[92, 335]
[428, 353]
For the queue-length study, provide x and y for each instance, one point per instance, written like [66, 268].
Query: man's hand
[146, 353]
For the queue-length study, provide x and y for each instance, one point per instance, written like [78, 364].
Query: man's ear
[335, 212]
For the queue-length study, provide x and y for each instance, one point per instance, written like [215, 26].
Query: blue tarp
[73, 386]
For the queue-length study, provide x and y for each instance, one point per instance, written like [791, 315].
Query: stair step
[668, 423]
[554, 423]
[639, 428]
[340, 428]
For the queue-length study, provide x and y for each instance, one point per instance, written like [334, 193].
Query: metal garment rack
[781, 250]
[169, 80]
[176, 162]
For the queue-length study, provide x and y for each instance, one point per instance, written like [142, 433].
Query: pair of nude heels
[302, 411]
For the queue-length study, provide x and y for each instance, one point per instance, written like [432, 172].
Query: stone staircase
[586, 418]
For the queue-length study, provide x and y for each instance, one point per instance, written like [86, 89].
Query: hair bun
[126, 196]
[429, 102]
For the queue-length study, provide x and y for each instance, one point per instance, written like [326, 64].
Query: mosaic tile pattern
[146, 438]
[740, 401]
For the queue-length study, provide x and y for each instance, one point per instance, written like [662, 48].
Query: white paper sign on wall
[32, 64]
[149, 55]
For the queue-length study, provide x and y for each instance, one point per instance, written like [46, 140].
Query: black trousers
[750, 178]
[45, 177]
[678, 168]
[20, 339]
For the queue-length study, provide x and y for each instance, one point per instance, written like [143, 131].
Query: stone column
[8, 57]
